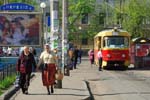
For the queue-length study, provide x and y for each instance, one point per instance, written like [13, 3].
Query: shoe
[52, 90]
[23, 90]
[55, 83]
[100, 69]
[48, 93]
[26, 92]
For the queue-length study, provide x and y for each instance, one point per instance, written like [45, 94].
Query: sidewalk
[73, 88]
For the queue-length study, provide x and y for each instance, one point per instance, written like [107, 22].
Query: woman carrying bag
[24, 67]
[48, 59]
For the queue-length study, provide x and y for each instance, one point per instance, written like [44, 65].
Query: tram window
[116, 42]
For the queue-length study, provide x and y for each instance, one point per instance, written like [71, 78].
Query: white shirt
[99, 54]
[47, 57]
[9, 50]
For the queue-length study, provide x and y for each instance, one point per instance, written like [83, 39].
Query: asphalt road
[121, 85]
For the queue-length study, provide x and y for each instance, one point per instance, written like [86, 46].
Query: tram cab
[114, 45]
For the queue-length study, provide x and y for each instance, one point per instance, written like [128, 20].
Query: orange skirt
[48, 75]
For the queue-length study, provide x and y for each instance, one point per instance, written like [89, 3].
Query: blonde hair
[25, 47]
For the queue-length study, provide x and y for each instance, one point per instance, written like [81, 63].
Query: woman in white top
[49, 68]
[99, 55]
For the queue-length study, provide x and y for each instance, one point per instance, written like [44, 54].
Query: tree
[77, 11]
[136, 12]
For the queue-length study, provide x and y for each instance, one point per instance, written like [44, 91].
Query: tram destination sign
[17, 6]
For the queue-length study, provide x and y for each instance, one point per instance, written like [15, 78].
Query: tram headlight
[108, 55]
[123, 55]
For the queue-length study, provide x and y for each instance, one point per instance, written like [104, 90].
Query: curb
[11, 91]
[87, 92]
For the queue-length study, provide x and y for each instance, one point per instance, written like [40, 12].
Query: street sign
[56, 22]
[48, 21]
[16, 6]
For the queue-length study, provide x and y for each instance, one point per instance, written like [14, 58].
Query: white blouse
[47, 57]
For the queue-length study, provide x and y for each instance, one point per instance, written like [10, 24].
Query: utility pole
[64, 36]
[55, 36]
[54, 23]
[106, 11]
[120, 23]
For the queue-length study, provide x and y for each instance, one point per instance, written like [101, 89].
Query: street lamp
[79, 27]
[43, 6]
[80, 31]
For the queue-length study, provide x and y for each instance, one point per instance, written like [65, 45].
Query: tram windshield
[116, 42]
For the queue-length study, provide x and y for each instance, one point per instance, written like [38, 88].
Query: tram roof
[110, 32]
[141, 40]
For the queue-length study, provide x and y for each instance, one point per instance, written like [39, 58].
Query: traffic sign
[48, 21]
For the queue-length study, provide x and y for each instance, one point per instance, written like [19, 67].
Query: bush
[6, 83]
[0, 92]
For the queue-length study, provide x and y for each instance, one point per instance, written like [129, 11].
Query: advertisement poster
[18, 29]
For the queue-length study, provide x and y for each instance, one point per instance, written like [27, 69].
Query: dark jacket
[28, 61]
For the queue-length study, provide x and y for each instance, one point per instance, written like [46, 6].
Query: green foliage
[136, 12]
[1, 92]
[75, 10]
[6, 83]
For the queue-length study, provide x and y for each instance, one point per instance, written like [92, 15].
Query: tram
[114, 45]
[139, 53]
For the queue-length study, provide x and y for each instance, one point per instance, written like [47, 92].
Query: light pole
[43, 6]
[80, 31]
[55, 40]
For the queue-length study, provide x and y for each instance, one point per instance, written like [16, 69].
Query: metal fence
[7, 67]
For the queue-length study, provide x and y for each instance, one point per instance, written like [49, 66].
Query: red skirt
[48, 75]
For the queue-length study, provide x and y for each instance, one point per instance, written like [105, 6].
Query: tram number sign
[115, 33]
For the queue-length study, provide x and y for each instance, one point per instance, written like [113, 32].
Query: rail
[7, 67]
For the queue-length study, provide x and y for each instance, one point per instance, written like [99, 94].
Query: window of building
[84, 41]
[84, 19]
[101, 18]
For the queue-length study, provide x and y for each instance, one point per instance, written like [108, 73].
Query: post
[43, 5]
[106, 10]
[65, 68]
[54, 36]
[54, 23]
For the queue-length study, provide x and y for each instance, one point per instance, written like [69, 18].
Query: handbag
[44, 67]
[22, 68]
[59, 75]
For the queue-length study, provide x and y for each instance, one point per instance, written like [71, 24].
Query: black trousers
[24, 81]
[100, 63]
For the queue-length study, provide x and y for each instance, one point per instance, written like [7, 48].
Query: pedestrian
[79, 55]
[49, 68]
[24, 66]
[91, 56]
[70, 53]
[99, 56]
[33, 51]
[9, 51]
[75, 57]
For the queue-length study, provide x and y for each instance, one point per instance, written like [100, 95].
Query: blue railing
[7, 66]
